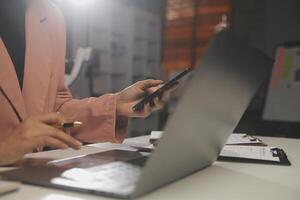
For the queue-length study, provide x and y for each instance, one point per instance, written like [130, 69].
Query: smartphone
[158, 93]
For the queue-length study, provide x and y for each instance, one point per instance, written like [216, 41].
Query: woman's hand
[33, 133]
[130, 96]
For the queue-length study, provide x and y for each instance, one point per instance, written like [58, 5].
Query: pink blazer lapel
[37, 63]
[9, 83]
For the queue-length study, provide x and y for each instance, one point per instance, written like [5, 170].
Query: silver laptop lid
[216, 97]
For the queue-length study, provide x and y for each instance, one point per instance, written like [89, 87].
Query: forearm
[99, 117]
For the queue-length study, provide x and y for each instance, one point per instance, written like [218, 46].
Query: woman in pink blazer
[27, 109]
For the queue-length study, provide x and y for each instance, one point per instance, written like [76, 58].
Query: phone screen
[158, 93]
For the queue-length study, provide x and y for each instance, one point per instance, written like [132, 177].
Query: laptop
[215, 99]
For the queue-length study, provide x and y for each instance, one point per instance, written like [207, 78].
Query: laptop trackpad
[42, 174]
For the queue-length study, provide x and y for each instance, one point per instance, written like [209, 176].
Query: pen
[71, 124]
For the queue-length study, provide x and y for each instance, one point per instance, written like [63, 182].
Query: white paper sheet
[234, 139]
[249, 152]
[111, 146]
[242, 138]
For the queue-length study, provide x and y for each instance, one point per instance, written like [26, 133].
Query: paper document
[234, 139]
[249, 152]
[8, 186]
[124, 147]
[242, 138]
[111, 146]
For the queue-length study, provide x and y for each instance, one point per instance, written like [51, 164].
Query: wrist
[119, 105]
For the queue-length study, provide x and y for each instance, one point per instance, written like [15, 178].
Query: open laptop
[215, 99]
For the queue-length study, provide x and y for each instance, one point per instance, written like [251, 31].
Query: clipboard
[254, 154]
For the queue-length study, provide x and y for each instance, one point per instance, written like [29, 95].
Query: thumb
[144, 85]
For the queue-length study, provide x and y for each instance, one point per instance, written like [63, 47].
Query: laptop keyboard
[116, 177]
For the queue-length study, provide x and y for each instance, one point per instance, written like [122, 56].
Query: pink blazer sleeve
[98, 115]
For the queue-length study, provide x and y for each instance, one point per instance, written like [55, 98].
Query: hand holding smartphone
[158, 93]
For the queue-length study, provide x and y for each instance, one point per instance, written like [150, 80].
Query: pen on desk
[71, 124]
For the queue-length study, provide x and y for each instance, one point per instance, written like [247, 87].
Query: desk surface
[223, 180]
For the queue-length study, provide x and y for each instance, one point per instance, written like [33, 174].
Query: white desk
[223, 180]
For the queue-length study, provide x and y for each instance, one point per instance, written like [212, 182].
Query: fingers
[159, 104]
[61, 136]
[151, 103]
[52, 118]
[43, 126]
[52, 139]
[147, 111]
[43, 130]
[153, 89]
[166, 91]
[144, 85]
[164, 96]
[154, 105]
[39, 149]
[52, 142]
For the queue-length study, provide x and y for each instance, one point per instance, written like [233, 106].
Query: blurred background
[114, 43]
